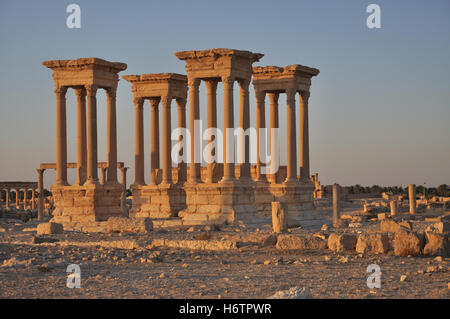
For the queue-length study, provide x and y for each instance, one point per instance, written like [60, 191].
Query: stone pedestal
[157, 201]
[217, 203]
[85, 203]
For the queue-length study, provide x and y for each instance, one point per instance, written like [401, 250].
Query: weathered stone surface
[292, 293]
[270, 240]
[195, 244]
[391, 226]
[437, 245]
[408, 243]
[341, 242]
[291, 242]
[372, 243]
[49, 228]
[442, 227]
[41, 240]
[129, 225]
[279, 217]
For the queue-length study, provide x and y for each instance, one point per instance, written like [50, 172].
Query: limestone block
[390, 226]
[129, 225]
[372, 243]
[291, 242]
[342, 242]
[49, 228]
[437, 245]
[279, 217]
[408, 243]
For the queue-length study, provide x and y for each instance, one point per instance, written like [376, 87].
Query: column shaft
[7, 198]
[181, 121]
[260, 123]
[291, 144]
[304, 136]
[245, 124]
[274, 124]
[111, 136]
[194, 168]
[154, 139]
[139, 141]
[211, 105]
[166, 141]
[92, 170]
[81, 136]
[61, 136]
[41, 194]
[228, 123]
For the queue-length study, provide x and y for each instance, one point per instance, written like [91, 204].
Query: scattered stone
[342, 242]
[270, 240]
[355, 225]
[292, 293]
[292, 242]
[407, 243]
[390, 226]
[381, 216]
[403, 278]
[324, 227]
[279, 217]
[191, 229]
[266, 262]
[343, 259]
[438, 259]
[372, 244]
[49, 228]
[437, 244]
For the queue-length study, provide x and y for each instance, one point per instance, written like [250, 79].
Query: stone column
[279, 217]
[260, 123]
[245, 124]
[123, 198]
[412, 198]
[154, 139]
[17, 198]
[304, 136]
[228, 123]
[139, 141]
[92, 169]
[211, 122]
[61, 136]
[291, 145]
[393, 205]
[181, 120]
[33, 199]
[102, 175]
[166, 141]
[7, 198]
[111, 135]
[81, 136]
[25, 198]
[336, 207]
[274, 124]
[194, 168]
[41, 193]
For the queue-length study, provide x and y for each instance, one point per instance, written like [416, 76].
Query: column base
[87, 203]
[157, 201]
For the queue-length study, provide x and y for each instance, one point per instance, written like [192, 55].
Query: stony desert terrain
[229, 261]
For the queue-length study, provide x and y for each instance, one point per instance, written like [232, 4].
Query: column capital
[181, 103]
[273, 97]
[91, 90]
[166, 100]
[211, 85]
[193, 83]
[111, 92]
[260, 95]
[244, 84]
[80, 92]
[138, 101]
[228, 81]
[154, 103]
[305, 95]
[61, 90]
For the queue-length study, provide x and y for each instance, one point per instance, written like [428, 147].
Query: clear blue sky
[379, 109]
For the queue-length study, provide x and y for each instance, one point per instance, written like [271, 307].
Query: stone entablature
[148, 86]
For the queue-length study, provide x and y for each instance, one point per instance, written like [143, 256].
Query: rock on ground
[372, 243]
[390, 226]
[291, 242]
[437, 245]
[292, 293]
[408, 243]
[49, 228]
[341, 242]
